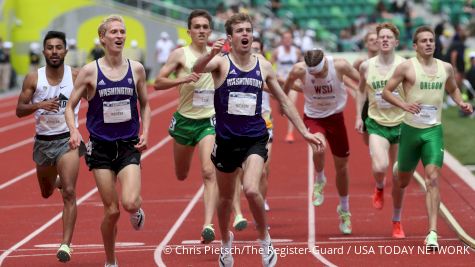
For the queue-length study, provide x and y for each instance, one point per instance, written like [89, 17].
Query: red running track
[304, 235]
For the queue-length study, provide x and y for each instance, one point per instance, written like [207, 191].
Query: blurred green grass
[459, 135]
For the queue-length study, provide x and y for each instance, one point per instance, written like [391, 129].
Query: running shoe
[266, 205]
[240, 223]
[137, 219]
[207, 235]
[111, 264]
[318, 193]
[431, 241]
[269, 256]
[64, 253]
[398, 232]
[289, 138]
[345, 222]
[378, 198]
[225, 256]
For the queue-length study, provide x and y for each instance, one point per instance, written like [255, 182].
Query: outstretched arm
[289, 109]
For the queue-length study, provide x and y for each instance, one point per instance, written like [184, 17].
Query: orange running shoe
[378, 198]
[398, 232]
[289, 138]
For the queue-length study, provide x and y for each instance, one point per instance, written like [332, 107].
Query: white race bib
[383, 104]
[242, 103]
[428, 115]
[203, 98]
[325, 101]
[117, 111]
[52, 121]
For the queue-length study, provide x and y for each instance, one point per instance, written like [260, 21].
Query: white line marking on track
[311, 212]
[461, 171]
[76, 246]
[198, 242]
[157, 255]
[81, 200]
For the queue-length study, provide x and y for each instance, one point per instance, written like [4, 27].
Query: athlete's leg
[342, 180]
[210, 196]
[130, 180]
[265, 173]
[397, 191]
[252, 168]
[226, 183]
[182, 155]
[68, 169]
[379, 147]
[432, 174]
[47, 176]
[290, 127]
[105, 181]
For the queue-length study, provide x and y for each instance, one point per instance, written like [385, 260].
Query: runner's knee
[68, 193]
[131, 205]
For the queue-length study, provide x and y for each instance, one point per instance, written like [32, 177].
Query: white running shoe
[137, 219]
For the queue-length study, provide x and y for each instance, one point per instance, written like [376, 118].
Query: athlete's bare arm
[175, 61]
[296, 73]
[24, 106]
[142, 96]
[84, 86]
[287, 107]
[361, 96]
[400, 76]
[453, 90]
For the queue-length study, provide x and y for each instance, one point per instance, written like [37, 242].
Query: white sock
[320, 177]
[380, 185]
[345, 203]
[397, 215]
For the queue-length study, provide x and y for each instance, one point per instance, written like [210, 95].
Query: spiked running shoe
[345, 222]
[207, 235]
[240, 223]
[111, 264]
[225, 256]
[378, 198]
[64, 253]
[269, 256]
[398, 232]
[431, 241]
[318, 193]
[137, 219]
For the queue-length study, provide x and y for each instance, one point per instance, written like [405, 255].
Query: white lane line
[157, 255]
[81, 200]
[252, 242]
[311, 212]
[18, 178]
[33, 171]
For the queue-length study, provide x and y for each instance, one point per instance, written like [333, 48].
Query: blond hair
[101, 31]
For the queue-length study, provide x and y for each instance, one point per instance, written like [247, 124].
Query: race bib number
[428, 115]
[52, 121]
[325, 101]
[242, 103]
[383, 104]
[117, 111]
[203, 98]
